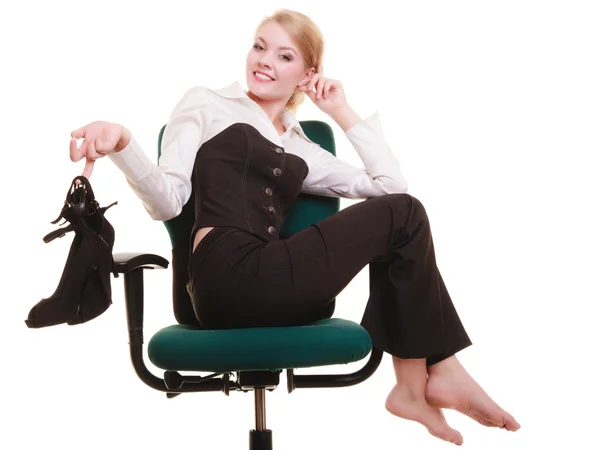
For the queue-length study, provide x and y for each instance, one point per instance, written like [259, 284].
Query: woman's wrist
[345, 117]
[124, 140]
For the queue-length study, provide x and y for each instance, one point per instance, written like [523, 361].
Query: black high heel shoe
[84, 290]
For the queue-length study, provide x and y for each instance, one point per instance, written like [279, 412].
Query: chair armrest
[132, 264]
[127, 261]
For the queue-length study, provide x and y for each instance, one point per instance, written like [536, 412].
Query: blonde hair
[305, 34]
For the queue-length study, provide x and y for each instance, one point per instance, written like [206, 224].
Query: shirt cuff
[132, 161]
[369, 141]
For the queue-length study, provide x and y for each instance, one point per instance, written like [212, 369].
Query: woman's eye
[260, 47]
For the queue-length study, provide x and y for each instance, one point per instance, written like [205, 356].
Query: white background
[492, 109]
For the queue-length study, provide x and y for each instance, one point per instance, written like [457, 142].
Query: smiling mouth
[262, 77]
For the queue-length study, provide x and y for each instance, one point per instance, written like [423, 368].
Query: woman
[248, 160]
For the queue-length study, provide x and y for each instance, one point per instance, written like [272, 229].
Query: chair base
[261, 440]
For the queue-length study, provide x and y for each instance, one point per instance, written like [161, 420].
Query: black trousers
[238, 280]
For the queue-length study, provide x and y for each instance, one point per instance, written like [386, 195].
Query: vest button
[271, 209]
[276, 171]
[269, 192]
[278, 151]
[272, 230]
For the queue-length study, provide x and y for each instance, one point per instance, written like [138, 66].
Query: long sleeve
[165, 188]
[332, 177]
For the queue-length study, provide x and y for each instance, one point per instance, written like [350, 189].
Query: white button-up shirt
[202, 113]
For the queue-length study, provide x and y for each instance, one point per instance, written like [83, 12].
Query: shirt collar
[288, 119]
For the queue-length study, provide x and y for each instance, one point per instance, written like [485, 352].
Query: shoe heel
[96, 295]
[94, 300]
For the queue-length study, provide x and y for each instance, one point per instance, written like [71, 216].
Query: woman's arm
[165, 188]
[332, 177]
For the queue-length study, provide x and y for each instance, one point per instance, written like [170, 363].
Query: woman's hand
[100, 139]
[328, 94]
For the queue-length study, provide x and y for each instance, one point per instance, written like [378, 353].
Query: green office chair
[256, 356]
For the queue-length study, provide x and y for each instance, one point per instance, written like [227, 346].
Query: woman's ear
[306, 78]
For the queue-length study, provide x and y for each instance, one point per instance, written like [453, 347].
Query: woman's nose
[265, 61]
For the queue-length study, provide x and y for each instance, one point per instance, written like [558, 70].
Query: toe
[444, 431]
[510, 423]
[460, 440]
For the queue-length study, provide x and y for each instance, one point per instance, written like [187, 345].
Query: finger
[304, 87]
[313, 81]
[327, 88]
[307, 85]
[92, 153]
[307, 89]
[311, 95]
[83, 149]
[320, 86]
[88, 168]
[78, 134]
[74, 151]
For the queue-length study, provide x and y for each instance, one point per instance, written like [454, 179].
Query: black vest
[241, 179]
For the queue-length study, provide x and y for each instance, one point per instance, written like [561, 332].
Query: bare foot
[451, 386]
[402, 402]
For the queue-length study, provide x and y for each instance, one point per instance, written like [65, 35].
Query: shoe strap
[60, 232]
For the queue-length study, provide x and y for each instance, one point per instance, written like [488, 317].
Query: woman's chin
[261, 91]
[258, 86]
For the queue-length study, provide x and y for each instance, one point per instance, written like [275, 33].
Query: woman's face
[274, 54]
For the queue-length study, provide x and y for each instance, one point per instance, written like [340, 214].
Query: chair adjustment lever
[174, 380]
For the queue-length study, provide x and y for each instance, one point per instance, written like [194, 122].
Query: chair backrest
[307, 209]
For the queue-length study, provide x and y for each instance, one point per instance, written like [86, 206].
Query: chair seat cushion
[324, 342]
